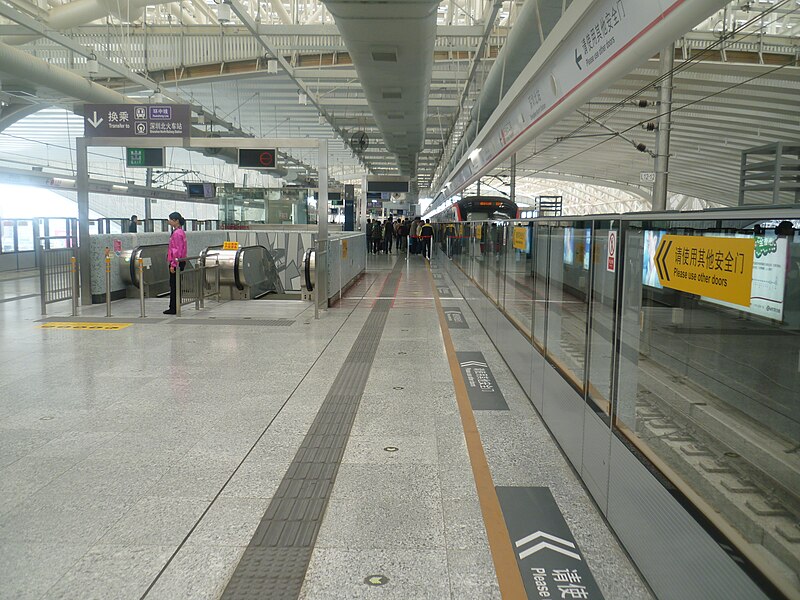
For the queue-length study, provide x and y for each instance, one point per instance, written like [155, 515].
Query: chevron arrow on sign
[542, 545]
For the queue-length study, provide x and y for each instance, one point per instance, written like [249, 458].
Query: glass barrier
[705, 387]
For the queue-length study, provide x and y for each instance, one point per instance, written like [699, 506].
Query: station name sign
[137, 120]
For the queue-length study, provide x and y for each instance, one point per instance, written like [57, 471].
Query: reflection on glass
[7, 236]
[649, 273]
[709, 389]
[25, 236]
[566, 304]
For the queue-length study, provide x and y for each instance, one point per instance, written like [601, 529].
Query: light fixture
[302, 98]
[91, 65]
[121, 188]
[223, 12]
[157, 97]
[475, 154]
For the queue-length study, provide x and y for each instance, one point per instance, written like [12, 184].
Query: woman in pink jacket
[176, 252]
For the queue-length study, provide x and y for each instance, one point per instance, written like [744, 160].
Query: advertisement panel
[769, 277]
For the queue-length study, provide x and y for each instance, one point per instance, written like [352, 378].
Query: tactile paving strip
[249, 322]
[275, 562]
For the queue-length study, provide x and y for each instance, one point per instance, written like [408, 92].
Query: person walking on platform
[368, 233]
[426, 233]
[133, 223]
[175, 252]
[388, 236]
[413, 233]
[402, 235]
[377, 232]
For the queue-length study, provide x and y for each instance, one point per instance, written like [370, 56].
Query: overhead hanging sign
[602, 33]
[137, 120]
[714, 267]
[144, 157]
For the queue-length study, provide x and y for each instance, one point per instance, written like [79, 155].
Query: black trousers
[173, 287]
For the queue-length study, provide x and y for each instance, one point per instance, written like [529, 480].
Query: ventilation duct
[392, 42]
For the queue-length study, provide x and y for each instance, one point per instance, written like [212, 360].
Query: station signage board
[258, 158]
[137, 120]
[715, 267]
[144, 157]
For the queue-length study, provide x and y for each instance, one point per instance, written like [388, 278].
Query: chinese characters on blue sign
[137, 120]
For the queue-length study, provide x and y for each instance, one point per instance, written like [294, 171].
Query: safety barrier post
[178, 292]
[201, 285]
[140, 266]
[219, 296]
[108, 282]
[198, 286]
[42, 257]
[73, 265]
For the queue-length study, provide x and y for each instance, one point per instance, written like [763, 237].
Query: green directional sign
[144, 157]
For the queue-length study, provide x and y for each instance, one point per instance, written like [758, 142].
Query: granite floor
[137, 463]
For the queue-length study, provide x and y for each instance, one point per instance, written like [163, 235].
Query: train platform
[249, 450]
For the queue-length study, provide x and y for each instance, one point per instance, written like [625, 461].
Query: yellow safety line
[505, 561]
[85, 326]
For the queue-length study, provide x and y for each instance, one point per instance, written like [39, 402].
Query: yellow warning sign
[521, 238]
[479, 232]
[87, 326]
[230, 245]
[344, 248]
[715, 267]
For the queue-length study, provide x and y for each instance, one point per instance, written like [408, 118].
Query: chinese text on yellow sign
[521, 238]
[715, 267]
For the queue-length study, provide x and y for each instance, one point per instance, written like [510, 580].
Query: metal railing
[58, 276]
[193, 285]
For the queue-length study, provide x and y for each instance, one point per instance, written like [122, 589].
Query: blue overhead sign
[137, 120]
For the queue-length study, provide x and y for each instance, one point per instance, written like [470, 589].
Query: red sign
[117, 245]
[612, 250]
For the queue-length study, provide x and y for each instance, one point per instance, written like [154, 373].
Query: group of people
[381, 236]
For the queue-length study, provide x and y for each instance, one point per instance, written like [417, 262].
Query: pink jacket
[177, 247]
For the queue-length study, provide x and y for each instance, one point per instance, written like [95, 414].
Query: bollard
[140, 266]
[73, 262]
[108, 283]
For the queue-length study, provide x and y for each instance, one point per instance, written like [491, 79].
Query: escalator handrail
[307, 269]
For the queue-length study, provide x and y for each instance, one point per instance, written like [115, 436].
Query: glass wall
[282, 206]
[638, 317]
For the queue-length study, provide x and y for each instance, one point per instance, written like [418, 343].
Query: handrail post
[201, 284]
[219, 295]
[198, 287]
[140, 266]
[108, 282]
[178, 294]
[42, 255]
[73, 262]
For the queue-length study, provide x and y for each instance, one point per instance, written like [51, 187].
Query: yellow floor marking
[505, 561]
[86, 326]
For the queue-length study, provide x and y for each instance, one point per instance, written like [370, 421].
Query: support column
[364, 203]
[664, 125]
[321, 265]
[84, 253]
[514, 177]
[148, 201]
